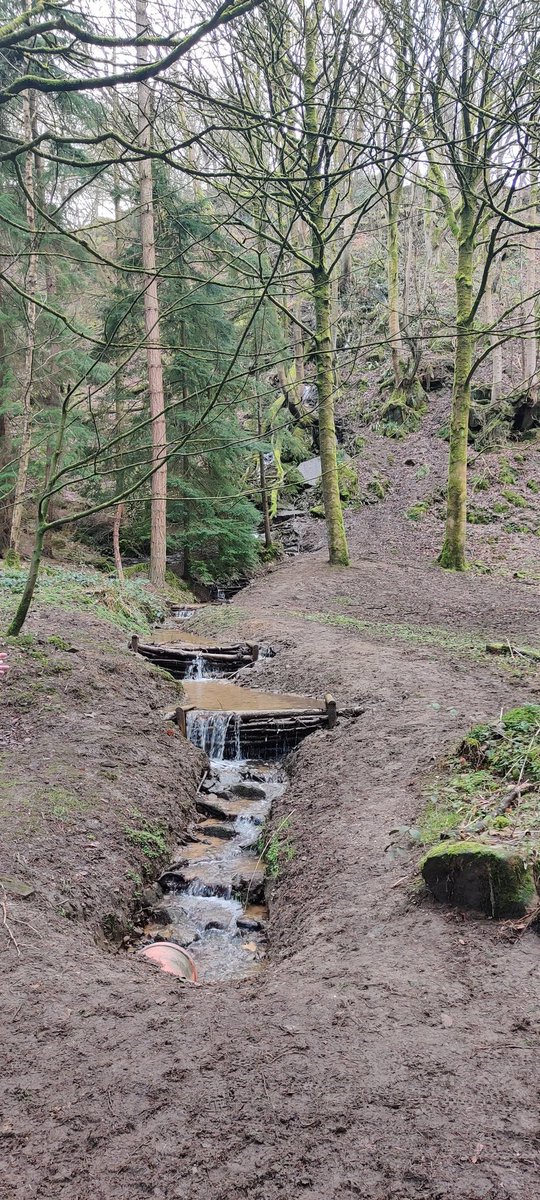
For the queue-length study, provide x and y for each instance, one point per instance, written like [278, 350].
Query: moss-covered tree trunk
[322, 298]
[452, 554]
[43, 510]
[392, 273]
[337, 541]
[30, 285]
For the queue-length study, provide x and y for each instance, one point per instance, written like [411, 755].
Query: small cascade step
[236, 723]
[214, 829]
[228, 808]
[243, 878]
[197, 663]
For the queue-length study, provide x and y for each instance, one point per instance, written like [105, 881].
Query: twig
[513, 796]
[5, 923]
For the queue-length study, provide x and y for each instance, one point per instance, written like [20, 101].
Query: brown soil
[389, 1048]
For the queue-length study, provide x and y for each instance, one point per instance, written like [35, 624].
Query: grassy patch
[416, 635]
[277, 849]
[514, 498]
[217, 618]
[150, 838]
[135, 606]
[492, 787]
[419, 510]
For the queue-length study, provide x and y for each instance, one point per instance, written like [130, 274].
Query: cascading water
[198, 669]
[217, 733]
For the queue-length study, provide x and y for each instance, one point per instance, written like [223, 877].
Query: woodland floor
[389, 1048]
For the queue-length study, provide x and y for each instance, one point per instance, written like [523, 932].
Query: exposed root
[513, 929]
[5, 923]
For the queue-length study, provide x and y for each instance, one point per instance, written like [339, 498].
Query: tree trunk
[530, 345]
[262, 476]
[26, 599]
[116, 541]
[30, 286]
[322, 298]
[5, 459]
[452, 554]
[491, 308]
[158, 530]
[392, 251]
[337, 541]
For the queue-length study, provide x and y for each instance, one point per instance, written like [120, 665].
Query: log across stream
[211, 900]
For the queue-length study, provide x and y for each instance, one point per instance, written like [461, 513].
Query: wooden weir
[271, 733]
[178, 659]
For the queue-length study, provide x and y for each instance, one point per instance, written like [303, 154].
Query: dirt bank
[389, 1048]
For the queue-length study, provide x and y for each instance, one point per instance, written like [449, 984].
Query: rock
[227, 810]
[170, 924]
[213, 787]
[16, 887]
[151, 895]
[249, 791]
[160, 916]
[248, 924]
[214, 829]
[475, 875]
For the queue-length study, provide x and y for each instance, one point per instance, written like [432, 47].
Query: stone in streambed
[253, 918]
[249, 791]
[214, 829]
[475, 875]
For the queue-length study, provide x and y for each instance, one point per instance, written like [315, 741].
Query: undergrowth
[134, 606]
[277, 849]
[150, 839]
[492, 786]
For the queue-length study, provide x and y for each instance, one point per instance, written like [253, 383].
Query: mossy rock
[484, 878]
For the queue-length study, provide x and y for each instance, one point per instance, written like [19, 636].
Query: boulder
[474, 875]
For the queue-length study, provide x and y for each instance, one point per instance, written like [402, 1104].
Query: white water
[211, 730]
[198, 669]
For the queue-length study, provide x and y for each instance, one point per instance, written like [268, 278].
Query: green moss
[506, 473]
[500, 507]
[514, 498]
[269, 554]
[150, 839]
[419, 635]
[533, 486]
[12, 559]
[418, 511]
[474, 875]
[135, 606]
[58, 642]
[479, 483]
[479, 516]
[378, 487]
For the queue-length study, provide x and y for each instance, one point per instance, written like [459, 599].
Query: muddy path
[388, 1048]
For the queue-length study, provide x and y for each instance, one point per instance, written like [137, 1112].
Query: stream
[213, 891]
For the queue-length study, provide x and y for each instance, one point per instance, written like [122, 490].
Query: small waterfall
[217, 733]
[198, 669]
